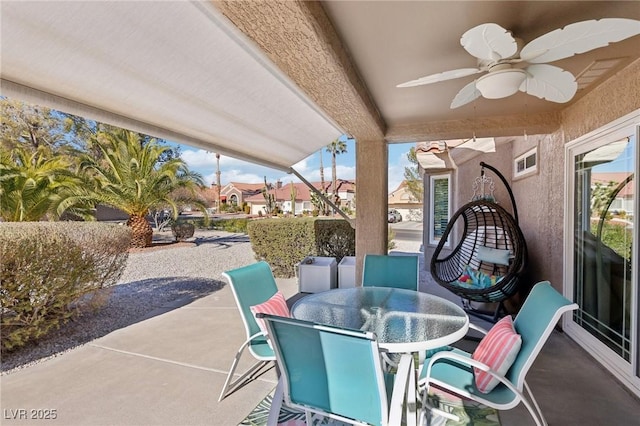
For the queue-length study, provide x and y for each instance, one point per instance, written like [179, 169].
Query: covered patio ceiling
[274, 81]
[393, 42]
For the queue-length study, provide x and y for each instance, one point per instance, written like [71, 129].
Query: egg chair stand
[484, 240]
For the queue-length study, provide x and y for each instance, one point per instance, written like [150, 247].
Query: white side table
[347, 272]
[316, 274]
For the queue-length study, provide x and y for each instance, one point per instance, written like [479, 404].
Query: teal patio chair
[337, 373]
[399, 271]
[452, 370]
[251, 285]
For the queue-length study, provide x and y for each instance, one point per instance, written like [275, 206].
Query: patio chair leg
[276, 405]
[537, 415]
[228, 384]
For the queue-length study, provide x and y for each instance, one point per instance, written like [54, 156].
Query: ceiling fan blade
[577, 38]
[467, 94]
[550, 83]
[489, 41]
[443, 76]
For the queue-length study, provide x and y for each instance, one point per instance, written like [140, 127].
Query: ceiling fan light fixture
[502, 83]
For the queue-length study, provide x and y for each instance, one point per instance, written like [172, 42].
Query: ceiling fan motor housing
[501, 83]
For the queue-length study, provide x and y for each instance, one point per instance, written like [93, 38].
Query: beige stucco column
[371, 200]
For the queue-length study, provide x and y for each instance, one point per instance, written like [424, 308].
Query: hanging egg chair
[482, 254]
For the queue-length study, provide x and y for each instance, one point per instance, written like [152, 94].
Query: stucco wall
[542, 196]
[540, 199]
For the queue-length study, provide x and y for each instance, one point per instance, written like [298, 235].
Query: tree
[322, 207]
[321, 172]
[23, 124]
[336, 148]
[82, 132]
[269, 198]
[36, 185]
[130, 176]
[293, 194]
[601, 194]
[33, 126]
[412, 175]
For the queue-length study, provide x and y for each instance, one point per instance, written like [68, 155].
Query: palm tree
[324, 210]
[36, 185]
[335, 148]
[131, 177]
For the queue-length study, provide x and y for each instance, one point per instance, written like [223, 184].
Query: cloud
[198, 159]
[231, 169]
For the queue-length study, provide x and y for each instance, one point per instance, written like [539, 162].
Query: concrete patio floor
[169, 369]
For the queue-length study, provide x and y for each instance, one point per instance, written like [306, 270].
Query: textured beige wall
[614, 98]
[543, 221]
[540, 202]
[372, 163]
[492, 127]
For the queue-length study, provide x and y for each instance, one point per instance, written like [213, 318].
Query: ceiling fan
[498, 52]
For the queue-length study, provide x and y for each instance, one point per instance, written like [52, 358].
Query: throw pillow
[472, 278]
[276, 305]
[493, 255]
[498, 350]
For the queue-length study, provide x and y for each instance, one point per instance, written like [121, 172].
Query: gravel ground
[153, 278]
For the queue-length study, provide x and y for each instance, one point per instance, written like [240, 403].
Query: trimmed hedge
[283, 243]
[47, 268]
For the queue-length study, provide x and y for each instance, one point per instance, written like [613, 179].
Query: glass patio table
[403, 320]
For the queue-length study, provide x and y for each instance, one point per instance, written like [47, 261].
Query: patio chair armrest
[258, 334]
[405, 382]
[250, 339]
[465, 361]
[460, 359]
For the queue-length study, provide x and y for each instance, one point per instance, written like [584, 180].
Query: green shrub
[283, 243]
[238, 225]
[47, 268]
[391, 235]
[616, 236]
[183, 230]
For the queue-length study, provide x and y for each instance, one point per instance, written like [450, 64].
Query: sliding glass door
[602, 261]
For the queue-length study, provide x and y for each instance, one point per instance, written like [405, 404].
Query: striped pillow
[276, 305]
[498, 350]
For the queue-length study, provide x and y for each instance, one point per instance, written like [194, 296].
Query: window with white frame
[526, 164]
[439, 206]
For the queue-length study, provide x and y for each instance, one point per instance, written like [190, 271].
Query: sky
[233, 170]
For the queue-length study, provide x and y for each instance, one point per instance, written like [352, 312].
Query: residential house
[285, 194]
[405, 202]
[236, 193]
[291, 197]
